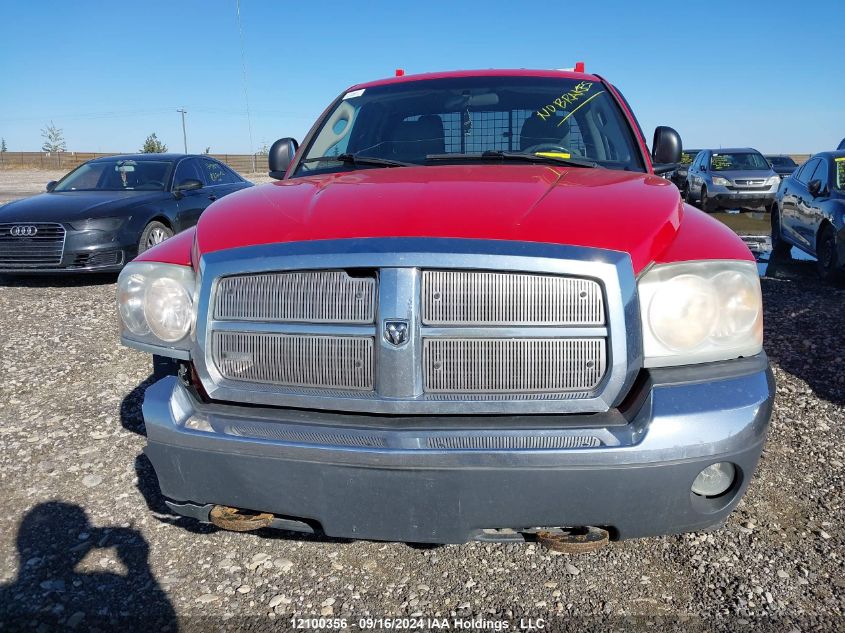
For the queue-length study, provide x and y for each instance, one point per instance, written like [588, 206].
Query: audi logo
[23, 230]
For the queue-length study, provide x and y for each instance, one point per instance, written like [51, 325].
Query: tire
[704, 204]
[685, 193]
[154, 233]
[780, 248]
[828, 263]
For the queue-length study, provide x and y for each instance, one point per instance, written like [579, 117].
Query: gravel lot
[85, 536]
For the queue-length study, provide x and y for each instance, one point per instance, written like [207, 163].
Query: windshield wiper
[354, 159]
[496, 155]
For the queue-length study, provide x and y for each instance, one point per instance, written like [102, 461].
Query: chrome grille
[452, 297]
[42, 250]
[329, 296]
[489, 365]
[328, 362]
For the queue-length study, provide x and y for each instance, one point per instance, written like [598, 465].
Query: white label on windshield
[353, 94]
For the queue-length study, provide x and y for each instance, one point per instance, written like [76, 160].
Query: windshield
[688, 157]
[739, 161]
[117, 175]
[782, 161]
[839, 163]
[410, 121]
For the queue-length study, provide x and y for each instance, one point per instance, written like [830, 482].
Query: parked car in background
[782, 164]
[679, 176]
[809, 212]
[107, 210]
[731, 178]
[466, 311]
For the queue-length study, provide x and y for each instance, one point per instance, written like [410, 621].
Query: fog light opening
[715, 480]
[196, 423]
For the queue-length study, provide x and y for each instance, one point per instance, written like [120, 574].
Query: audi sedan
[108, 210]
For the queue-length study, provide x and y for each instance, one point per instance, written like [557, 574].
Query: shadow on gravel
[131, 417]
[49, 593]
[802, 326]
[67, 280]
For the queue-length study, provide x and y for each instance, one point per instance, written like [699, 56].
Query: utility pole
[184, 135]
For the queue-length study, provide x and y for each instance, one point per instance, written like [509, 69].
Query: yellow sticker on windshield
[553, 154]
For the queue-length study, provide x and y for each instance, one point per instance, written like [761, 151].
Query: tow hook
[237, 520]
[579, 540]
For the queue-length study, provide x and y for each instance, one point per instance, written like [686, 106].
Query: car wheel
[685, 193]
[154, 233]
[828, 265]
[704, 203]
[780, 248]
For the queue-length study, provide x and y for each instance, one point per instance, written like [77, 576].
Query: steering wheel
[551, 147]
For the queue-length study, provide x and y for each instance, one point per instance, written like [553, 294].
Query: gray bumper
[446, 479]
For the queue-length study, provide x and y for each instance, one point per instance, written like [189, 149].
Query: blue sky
[765, 74]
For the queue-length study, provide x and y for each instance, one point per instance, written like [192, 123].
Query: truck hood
[635, 213]
[69, 206]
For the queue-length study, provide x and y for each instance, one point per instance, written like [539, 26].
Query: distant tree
[207, 150]
[54, 139]
[3, 148]
[153, 146]
[264, 150]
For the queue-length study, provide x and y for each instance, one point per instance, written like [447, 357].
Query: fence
[243, 163]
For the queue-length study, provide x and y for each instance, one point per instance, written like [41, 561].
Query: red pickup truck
[468, 309]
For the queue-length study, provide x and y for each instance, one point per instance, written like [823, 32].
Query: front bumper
[382, 477]
[727, 198]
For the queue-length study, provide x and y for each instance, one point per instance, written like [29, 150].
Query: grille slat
[512, 365]
[330, 296]
[491, 298]
[44, 249]
[329, 362]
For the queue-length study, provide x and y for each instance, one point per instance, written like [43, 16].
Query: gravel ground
[85, 536]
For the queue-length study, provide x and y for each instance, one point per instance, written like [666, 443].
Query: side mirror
[52, 185]
[280, 156]
[666, 149]
[189, 184]
[814, 187]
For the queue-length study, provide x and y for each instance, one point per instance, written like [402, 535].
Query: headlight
[722, 182]
[697, 312]
[773, 180]
[156, 302]
[99, 224]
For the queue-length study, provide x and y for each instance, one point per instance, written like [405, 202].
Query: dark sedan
[809, 212]
[782, 164]
[679, 176]
[106, 211]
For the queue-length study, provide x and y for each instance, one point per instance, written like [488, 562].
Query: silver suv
[731, 178]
